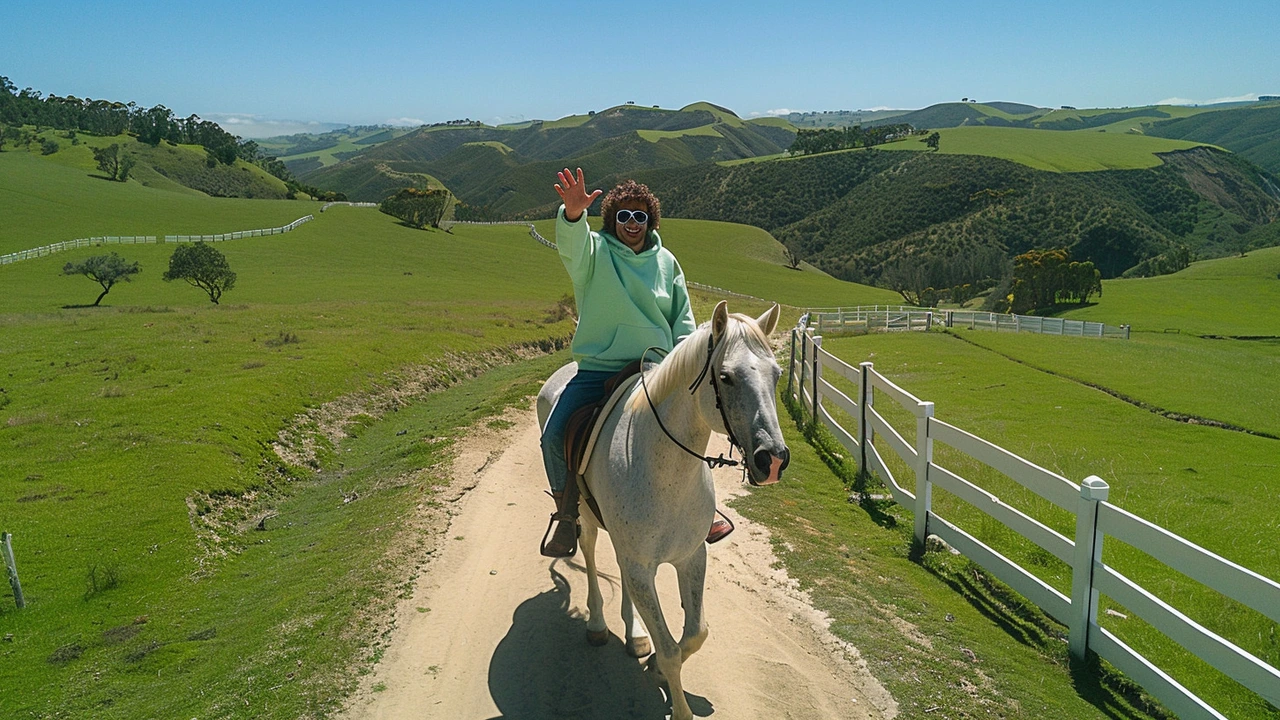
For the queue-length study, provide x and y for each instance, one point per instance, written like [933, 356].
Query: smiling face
[631, 233]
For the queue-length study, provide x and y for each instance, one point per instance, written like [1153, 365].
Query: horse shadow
[544, 668]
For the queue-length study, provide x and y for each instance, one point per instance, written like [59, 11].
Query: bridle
[712, 462]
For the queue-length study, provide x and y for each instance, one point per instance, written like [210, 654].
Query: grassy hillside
[1051, 150]
[1253, 132]
[616, 140]
[47, 200]
[305, 152]
[1227, 296]
[852, 212]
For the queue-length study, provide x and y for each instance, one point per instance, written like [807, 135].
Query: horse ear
[769, 320]
[719, 320]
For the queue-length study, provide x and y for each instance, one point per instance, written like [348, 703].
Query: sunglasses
[640, 216]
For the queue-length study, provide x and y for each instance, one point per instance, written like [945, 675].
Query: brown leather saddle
[578, 433]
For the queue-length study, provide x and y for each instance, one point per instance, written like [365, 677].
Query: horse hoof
[596, 638]
[639, 647]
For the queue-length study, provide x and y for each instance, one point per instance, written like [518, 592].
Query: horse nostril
[762, 460]
[786, 459]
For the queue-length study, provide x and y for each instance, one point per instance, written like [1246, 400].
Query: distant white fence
[328, 205]
[141, 239]
[1095, 519]
[866, 318]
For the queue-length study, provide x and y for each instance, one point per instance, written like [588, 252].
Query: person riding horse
[631, 295]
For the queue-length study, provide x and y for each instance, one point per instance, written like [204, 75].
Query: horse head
[744, 380]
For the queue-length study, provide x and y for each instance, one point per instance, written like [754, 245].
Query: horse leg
[638, 644]
[692, 574]
[597, 633]
[667, 652]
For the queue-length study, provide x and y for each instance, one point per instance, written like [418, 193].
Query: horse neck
[680, 415]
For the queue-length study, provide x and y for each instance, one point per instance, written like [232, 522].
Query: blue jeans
[582, 389]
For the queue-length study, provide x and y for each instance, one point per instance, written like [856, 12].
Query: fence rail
[145, 239]
[1095, 520]
[866, 318]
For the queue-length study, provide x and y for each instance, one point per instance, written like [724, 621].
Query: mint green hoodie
[627, 301]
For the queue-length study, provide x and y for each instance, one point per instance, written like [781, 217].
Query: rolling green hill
[1052, 150]
[47, 200]
[305, 152]
[850, 213]
[616, 140]
[1251, 131]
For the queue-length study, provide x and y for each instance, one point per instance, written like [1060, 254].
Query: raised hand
[573, 192]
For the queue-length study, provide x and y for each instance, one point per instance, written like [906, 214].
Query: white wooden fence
[865, 318]
[141, 239]
[1095, 520]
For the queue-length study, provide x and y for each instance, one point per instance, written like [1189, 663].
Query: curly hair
[629, 190]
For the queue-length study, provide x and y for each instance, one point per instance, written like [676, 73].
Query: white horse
[656, 498]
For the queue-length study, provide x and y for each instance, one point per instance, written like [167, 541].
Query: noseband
[712, 462]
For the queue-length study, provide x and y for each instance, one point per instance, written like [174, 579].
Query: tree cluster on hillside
[1045, 278]
[808, 142]
[151, 125]
[418, 208]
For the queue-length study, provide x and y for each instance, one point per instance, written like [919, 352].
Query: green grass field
[1052, 150]
[47, 201]
[1232, 296]
[1187, 478]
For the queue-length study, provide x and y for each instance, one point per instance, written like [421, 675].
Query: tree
[106, 270]
[794, 256]
[202, 266]
[113, 161]
[932, 141]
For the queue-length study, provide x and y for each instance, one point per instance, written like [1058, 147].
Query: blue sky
[497, 61]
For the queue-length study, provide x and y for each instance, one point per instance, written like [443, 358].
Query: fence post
[804, 369]
[817, 373]
[1084, 598]
[1126, 331]
[7, 540]
[791, 364]
[924, 456]
[864, 401]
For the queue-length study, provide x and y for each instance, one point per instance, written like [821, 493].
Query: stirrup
[715, 535]
[558, 541]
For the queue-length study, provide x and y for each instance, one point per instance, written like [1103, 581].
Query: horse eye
[724, 378]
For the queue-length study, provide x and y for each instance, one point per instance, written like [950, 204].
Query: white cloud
[1248, 97]
[405, 122]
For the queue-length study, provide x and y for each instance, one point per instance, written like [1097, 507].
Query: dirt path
[494, 630]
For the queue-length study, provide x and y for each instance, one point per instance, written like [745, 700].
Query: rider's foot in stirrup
[720, 529]
[563, 542]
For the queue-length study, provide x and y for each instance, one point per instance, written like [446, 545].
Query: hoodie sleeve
[573, 242]
[682, 323]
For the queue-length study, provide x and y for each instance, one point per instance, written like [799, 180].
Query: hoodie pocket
[630, 341]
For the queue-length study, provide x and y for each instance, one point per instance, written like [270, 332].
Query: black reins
[712, 462]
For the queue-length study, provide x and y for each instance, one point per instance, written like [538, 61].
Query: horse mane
[679, 369]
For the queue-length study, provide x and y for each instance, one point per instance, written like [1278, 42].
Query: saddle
[583, 428]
